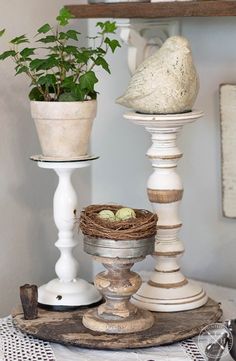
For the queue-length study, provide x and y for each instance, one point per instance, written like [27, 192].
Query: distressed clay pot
[64, 128]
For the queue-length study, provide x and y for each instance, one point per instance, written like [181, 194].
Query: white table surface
[226, 296]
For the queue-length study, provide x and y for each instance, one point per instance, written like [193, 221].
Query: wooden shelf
[156, 10]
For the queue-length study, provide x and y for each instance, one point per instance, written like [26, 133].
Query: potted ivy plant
[62, 82]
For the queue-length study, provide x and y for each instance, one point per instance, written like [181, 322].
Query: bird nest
[143, 226]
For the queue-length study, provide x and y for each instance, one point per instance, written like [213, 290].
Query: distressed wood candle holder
[118, 284]
[168, 289]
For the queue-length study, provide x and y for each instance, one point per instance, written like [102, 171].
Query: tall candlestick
[168, 290]
[66, 291]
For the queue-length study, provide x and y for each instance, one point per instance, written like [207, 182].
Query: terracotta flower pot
[64, 128]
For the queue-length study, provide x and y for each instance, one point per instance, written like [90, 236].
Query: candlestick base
[58, 294]
[141, 320]
[186, 297]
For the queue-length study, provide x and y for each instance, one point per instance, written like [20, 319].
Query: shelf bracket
[143, 37]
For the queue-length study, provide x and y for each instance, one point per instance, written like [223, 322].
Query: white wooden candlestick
[67, 290]
[168, 290]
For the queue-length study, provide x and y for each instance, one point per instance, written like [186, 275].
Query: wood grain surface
[66, 328]
[201, 8]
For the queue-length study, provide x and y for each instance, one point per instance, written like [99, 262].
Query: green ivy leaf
[67, 97]
[47, 80]
[64, 16]
[35, 94]
[102, 62]
[72, 34]
[2, 32]
[36, 64]
[49, 63]
[20, 60]
[79, 93]
[113, 44]
[100, 25]
[22, 69]
[110, 27]
[67, 65]
[93, 95]
[70, 49]
[107, 27]
[68, 82]
[100, 51]
[84, 55]
[88, 80]
[7, 54]
[19, 40]
[47, 39]
[25, 53]
[62, 35]
[44, 29]
[52, 48]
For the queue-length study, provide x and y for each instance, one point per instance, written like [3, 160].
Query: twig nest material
[166, 82]
[141, 224]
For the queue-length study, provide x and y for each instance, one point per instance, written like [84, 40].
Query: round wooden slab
[67, 328]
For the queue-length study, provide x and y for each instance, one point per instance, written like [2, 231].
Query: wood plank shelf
[201, 8]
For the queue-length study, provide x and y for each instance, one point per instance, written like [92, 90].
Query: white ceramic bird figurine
[166, 82]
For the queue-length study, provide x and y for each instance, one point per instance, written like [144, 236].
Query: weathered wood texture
[117, 284]
[155, 10]
[29, 301]
[67, 328]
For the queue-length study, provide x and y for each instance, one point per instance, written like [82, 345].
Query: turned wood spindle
[168, 290]
[118, 284]
[67, 291]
